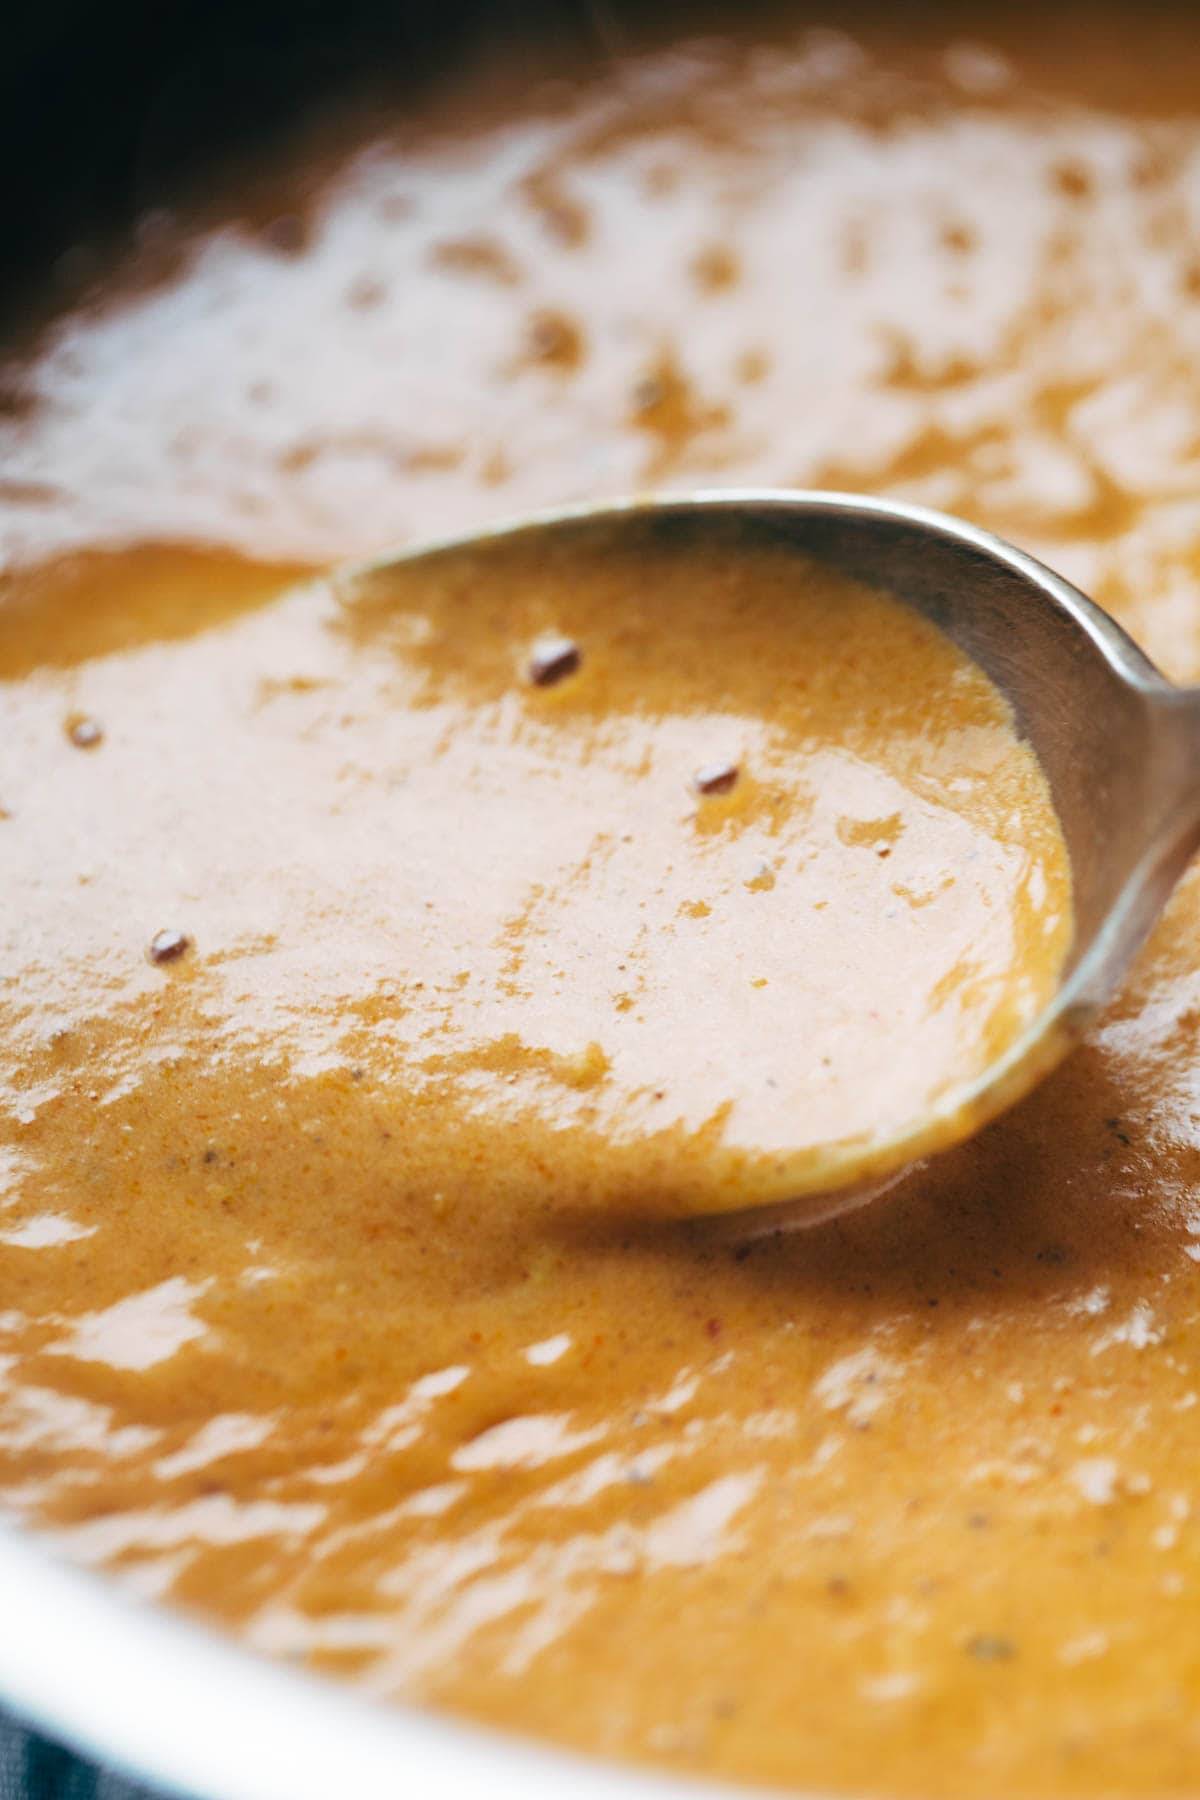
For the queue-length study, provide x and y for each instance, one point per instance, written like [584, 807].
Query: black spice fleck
[85, 733]
[553, 660]
[168, 946]
[986, 1648]
[715, 778]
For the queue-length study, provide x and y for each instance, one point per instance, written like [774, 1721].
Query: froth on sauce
[906, 1506]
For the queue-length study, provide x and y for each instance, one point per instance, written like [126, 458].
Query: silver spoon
[1119, 745]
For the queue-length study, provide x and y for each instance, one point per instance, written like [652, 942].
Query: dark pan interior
[105, 108]
[106, 105]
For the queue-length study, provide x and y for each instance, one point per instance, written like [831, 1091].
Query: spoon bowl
[1117, 742]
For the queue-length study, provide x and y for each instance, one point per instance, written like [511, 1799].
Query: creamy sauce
[655, 871]
[906, 1505]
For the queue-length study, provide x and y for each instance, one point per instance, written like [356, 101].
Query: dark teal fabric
[32, 1768]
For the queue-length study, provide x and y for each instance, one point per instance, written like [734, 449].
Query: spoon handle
[1173, 794]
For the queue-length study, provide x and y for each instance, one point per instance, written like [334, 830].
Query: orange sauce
[904, 1505]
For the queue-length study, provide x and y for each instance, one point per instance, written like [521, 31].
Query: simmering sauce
[657, 867]
[320, 1069]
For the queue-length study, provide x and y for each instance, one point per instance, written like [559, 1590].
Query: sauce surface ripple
[907, 1505]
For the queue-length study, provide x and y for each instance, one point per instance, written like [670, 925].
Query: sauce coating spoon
[1119, 746]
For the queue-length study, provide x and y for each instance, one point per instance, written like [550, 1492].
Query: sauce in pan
[321, 1069]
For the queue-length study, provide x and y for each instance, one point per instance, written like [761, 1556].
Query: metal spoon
[1119, 745]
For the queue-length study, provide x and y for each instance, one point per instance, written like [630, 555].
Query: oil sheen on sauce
[905, 1505]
